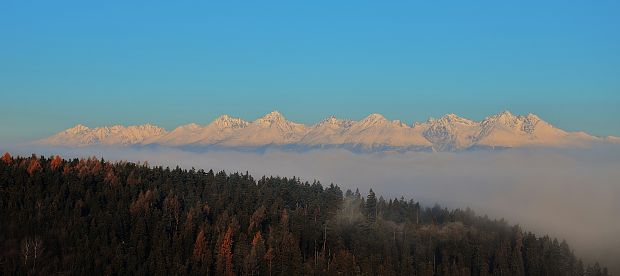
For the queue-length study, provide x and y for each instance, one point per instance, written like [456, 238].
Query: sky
[133, 62]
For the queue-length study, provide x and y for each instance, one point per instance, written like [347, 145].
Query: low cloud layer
[570, 194]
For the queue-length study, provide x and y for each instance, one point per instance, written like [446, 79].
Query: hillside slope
[95, 217]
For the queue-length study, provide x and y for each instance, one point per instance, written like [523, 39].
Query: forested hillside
[95, 217]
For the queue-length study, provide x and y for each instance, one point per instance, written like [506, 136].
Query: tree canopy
[89, 216]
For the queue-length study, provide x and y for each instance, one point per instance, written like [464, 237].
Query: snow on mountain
[613, 139]
[81, 135]
[179, 136]
[376, 131]
[271, 129]
[220, 130]
[217, 131]
[450, 132]
[373, 133]
[507, 130]
[329, 131]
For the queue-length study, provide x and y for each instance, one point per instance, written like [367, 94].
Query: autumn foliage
[6, 158]
[257, 240]
[91, 217]
[225, 256]
[34, 165]
[56, 162]
[143, 203]
[201, 249]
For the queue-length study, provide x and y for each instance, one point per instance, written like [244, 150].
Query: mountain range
[373, 133]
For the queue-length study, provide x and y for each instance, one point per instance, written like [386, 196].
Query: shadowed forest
[90, 216]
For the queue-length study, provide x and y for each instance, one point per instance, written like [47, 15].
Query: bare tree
[32, 249]
[26, 250]
[37, 248]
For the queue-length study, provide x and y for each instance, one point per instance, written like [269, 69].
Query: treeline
[89, 216]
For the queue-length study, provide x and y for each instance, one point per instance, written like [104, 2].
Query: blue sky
[133, 62]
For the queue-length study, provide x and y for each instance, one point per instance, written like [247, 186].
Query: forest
[92, 216]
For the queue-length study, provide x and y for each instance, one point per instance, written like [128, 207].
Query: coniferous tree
[159, 221]
[371, 206]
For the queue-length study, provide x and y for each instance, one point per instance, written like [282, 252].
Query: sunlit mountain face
[471, 138]
[373, 133]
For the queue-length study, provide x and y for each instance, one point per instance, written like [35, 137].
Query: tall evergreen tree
[371, 206]
[158, 221]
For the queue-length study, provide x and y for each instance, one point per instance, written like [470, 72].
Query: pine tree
[157, 221]
[371, 206]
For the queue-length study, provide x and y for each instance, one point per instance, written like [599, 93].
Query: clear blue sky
[133, 62]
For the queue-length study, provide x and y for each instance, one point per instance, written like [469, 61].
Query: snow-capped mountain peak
[331, 120]
[505, 113]
[507, 130]
[504, 118]
[450, 132]
[190, 126]
[226, 121]
[275, 119]
[451, 117]
[374, 132]
[455, 119]
[83, 136]
[272, 117]
[533, 117]
[372, 120]
[334, 122]
[79, 128]
[374, 117]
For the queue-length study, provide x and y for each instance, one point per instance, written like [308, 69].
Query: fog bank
[571, 194]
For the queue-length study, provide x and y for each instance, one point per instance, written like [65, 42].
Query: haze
[568, 194]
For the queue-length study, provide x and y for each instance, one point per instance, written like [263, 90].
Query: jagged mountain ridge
[373, 133]
[81, 135]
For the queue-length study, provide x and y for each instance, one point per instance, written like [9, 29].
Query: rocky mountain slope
[373, 133]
